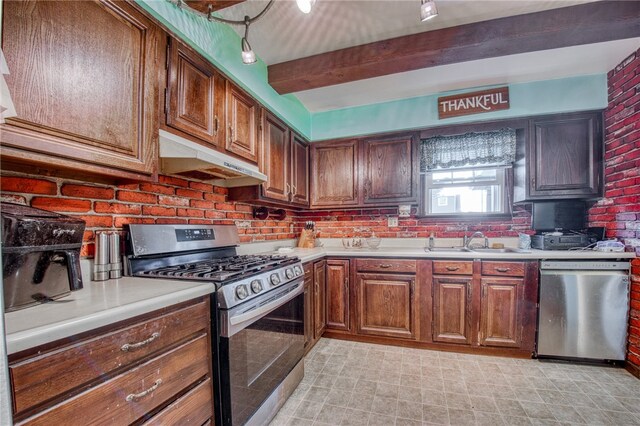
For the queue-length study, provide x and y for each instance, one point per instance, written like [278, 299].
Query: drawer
[507, 269]
[129, 396]
[41, 378]
[448, 267]
[195, 408]
[386, 265]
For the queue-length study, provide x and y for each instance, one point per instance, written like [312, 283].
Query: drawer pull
[133, 346]
[137, 396]
[385, 265]
[503, 269]
[452, 268]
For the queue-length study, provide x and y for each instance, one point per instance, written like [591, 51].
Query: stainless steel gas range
[259, 312]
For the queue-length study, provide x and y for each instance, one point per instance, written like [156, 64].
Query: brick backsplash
[171, 200]
[362, 222]
[619, 210]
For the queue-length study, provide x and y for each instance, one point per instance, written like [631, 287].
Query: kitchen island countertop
[96, 305]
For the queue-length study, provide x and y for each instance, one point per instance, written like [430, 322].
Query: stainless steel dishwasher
[584, 309]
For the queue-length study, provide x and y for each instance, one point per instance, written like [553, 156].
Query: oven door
[261, 341]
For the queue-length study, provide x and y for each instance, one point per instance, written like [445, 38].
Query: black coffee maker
[40, 255]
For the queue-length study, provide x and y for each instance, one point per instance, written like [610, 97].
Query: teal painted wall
[536, 98]
[221, 45]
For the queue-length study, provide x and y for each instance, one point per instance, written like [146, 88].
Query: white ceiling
[285, 33]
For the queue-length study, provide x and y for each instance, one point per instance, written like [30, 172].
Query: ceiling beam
[569, 26]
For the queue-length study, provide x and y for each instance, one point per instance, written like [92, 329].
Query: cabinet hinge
[166, 101]
[167, 55]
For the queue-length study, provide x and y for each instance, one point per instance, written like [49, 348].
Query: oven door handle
[258, 312]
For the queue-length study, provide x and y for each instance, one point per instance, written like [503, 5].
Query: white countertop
[96, 305]
[307, 255]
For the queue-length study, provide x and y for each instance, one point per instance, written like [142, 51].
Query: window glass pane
[463, 175]
[485, 174]
[466, 199]
[441, 177]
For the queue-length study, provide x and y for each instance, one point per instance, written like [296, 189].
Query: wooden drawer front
[385, 265]
[44, 377]
[507, 269]
[452, 267]
[127, 397]
[195, 408]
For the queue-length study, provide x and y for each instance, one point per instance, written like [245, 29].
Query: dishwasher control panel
[597, 265]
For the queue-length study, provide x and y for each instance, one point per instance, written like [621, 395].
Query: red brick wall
[171, 200]
[348, 223]
[619, 210]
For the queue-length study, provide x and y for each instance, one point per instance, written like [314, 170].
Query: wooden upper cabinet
[195, 95]
[501, 312]
[386, 305]
[563, 158]
[275, 158]
[334, 174]
[452, 309]
[299, 170]
[84, 80]
[242, 123]
[337, 288]
[390, 170]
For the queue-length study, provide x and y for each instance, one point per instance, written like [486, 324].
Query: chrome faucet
[467, 240]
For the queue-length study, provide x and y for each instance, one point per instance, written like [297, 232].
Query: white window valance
[470, 149]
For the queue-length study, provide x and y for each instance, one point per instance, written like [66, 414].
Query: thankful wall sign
[473, 102]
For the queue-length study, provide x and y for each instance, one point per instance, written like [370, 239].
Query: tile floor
[350, 383]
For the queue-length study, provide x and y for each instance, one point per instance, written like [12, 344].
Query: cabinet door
[309, 302]
[242, 115]
[337, 294]
[386, 305]
[390, 174]
[84, 81]
[275, 159]
[320, 304]
[195, 103]
[452, 309]
[565, 156]
[299, 170]
[334, 174]
[501, 312]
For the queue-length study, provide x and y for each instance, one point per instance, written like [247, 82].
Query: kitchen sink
[496, 250]
[447, 249]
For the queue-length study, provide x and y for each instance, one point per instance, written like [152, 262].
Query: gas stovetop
[223, 270]
[207, 253]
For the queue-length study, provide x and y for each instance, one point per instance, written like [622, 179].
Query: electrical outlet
[392, 222]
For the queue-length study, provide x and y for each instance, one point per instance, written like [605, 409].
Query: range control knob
[298, 270]
[242, 292]
[289, 273]
[256, 286]
[275, 279]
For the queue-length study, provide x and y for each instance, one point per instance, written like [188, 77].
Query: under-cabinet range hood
[184, 157]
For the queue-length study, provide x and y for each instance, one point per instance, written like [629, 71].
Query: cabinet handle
[452, 268]
[137, 396]
[127, 347]
[215, 125]
[503, 269]
[294, 189]
[385, 265]
[230, 134]
[287, 191]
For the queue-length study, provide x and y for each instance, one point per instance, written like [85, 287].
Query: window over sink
[466, 175]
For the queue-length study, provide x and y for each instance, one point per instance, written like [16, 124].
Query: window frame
[504, 180]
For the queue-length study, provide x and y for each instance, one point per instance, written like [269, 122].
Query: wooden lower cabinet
[452, 309]
[134, 372]
[500, 312]
[386, 305]
[337, 287]
[309, 301]
[319, 305]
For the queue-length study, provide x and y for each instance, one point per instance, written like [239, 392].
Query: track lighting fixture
[428, 10]
[305, 5]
